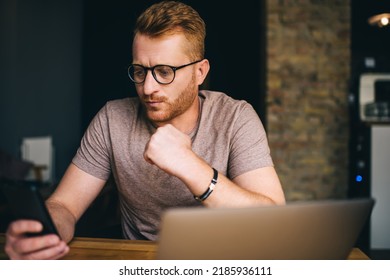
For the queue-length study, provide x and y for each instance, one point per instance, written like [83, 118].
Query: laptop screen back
[299, 230]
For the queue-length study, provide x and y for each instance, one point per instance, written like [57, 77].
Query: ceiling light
[380, 20]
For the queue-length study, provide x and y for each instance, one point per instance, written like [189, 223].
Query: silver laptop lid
[299, 230]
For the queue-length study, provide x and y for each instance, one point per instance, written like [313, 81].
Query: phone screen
[26, 202]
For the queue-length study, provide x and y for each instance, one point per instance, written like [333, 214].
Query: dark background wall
[40, 74]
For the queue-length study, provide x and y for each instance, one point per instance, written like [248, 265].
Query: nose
[150, 85]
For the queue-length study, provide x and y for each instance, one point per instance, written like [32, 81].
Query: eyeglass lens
[162, 73]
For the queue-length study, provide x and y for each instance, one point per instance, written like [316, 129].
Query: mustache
[152, 98]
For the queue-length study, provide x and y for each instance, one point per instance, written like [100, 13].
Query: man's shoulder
[219, 97]
[225, 110]
[220, 101]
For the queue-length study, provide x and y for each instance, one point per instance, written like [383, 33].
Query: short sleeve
[93, 155]
[249, 148]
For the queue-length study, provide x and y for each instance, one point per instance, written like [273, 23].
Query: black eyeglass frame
[146, 69]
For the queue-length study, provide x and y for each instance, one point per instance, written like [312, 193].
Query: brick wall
[308, 65]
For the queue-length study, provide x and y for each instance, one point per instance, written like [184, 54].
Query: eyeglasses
[163, 74]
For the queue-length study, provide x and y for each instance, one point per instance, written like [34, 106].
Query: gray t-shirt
[229, 136]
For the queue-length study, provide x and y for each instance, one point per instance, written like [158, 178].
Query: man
[173, 146]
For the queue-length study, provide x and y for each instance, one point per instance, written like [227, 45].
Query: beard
[171, 108]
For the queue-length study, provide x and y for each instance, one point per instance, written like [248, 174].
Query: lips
[153, 104]
[154, 100]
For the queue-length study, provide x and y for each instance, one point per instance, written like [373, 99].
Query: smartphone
[26, 202]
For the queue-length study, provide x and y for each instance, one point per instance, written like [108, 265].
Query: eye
[138, 72]
[164, 72]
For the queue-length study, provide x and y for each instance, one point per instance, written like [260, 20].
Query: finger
[63, 253]
[148, 160]
[49, 253]
[32, 244]
[146, 154]
[22, 227]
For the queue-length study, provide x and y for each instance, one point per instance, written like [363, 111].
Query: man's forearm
[261, 187]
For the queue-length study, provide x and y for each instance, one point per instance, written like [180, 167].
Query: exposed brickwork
[308, 66]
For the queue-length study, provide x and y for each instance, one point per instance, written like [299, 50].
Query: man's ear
[202, 71]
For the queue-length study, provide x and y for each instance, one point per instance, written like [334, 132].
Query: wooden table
[83, 248]
[111, 249]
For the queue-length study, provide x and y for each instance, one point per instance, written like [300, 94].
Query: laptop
[310, 230]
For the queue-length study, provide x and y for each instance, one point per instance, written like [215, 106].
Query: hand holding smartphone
[26, 202]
